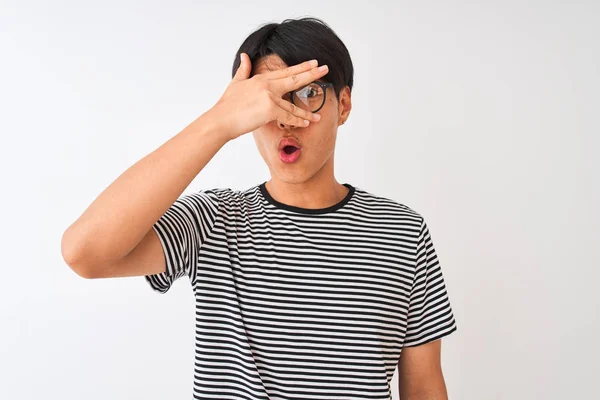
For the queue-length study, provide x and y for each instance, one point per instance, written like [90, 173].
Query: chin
[291, 176]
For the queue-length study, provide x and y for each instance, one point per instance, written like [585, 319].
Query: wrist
[210, 124]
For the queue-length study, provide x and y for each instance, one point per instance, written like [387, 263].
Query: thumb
[243, 71]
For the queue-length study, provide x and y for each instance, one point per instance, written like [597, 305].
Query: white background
[482, 116]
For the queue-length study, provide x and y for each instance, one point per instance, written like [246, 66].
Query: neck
[314, 193]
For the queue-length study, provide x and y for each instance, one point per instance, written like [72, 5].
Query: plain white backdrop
[483, 117]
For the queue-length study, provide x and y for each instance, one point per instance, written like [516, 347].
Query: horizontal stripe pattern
[295, 303]
[181, 230]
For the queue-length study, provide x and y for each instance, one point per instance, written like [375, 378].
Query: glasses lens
[310, 97]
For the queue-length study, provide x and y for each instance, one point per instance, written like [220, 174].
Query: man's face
[316, 140]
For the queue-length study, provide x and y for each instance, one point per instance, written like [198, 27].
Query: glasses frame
[324, 86]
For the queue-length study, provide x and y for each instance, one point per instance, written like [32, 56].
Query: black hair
[299, 40]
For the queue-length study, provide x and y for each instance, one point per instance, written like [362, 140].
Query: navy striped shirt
[297, 303]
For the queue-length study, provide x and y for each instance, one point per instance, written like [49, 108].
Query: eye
[311, 92]
[308, 92]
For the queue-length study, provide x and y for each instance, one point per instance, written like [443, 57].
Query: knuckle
[273, 108]
[264, 85]
[257, 78]
[269, 105]
[266, 99]
[293, 108]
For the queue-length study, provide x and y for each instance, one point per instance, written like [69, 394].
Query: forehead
[272, 62]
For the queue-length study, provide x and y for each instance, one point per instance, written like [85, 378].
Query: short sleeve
[182, 229]
[430, 315]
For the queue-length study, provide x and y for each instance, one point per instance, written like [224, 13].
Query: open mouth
[289, 149]
[289, 154]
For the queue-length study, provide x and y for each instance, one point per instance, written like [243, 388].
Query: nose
[285, 126]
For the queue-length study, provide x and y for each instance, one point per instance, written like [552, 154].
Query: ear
[344, 105]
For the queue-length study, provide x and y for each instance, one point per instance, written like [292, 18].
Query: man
[304, 287]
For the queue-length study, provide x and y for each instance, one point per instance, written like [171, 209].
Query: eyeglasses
[311, 97]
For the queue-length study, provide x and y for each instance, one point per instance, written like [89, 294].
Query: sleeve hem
[159, 282]
[431, 338]
[174, 268]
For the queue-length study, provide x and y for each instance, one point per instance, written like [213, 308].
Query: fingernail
[313, 63]
[323, 67]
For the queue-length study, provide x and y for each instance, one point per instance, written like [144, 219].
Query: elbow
[82, 272]
[69, 253]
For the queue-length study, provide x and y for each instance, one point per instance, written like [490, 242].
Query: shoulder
[230, 199]
[387, 206]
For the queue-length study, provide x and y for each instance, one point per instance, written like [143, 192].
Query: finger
[243, 71]
[288, 118]
[297, 81]
[294, 69]
[295, 110]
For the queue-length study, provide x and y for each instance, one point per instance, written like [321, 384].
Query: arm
[121, 217]
[420, 373]
[114, 234]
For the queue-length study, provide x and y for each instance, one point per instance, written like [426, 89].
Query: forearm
[124, 212]
[431, 388]
[425, 396]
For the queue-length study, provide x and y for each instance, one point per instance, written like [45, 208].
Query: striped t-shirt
[297, 303]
